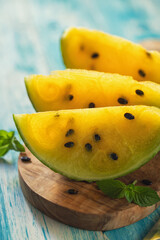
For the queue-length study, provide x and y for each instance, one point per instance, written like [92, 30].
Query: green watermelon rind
[28, 93]
[62, 48]
[152, 154]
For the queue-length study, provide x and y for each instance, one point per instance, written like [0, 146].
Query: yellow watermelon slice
[90, 49]
[92, 144]
[72, 89]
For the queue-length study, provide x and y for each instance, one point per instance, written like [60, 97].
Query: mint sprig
[142, 196]
[9, 142]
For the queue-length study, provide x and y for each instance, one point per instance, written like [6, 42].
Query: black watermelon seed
[122, 101]
[25, 159]
[88, 147]
[72, 191]
[139, 92]
[129, 116]
[70, 97]
[69, 144]
[69, 132]
[95, 55]
[91, 105]
[114, 156]
[148, 54]
[97, 137]
[146, 182]
[141, 73]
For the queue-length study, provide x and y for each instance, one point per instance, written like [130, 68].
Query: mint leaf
[9, 142]
[145, 196]
[129, 195]
[4, 134]
[4, 149]
[142, 196]
[16, 145]
[112, 188]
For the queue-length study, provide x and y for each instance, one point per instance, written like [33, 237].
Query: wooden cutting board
[89, 208]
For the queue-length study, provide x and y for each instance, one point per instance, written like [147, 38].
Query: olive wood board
[89, 209]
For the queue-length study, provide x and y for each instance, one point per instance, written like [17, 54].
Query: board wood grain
[88, 209]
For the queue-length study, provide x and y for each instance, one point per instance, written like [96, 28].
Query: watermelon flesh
[94, 50]
[73, 89]
[92, 144]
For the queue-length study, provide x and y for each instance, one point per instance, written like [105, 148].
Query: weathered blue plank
[3, 219]
[29, 43]
[136, 231]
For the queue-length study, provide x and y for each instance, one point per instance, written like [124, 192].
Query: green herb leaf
[4, 149]
[112, 188]
[142, 196]
[129, 195]
[9, 142]
[145, 196]
[16, 145]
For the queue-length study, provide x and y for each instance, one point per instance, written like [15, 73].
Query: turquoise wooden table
[29, 43]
